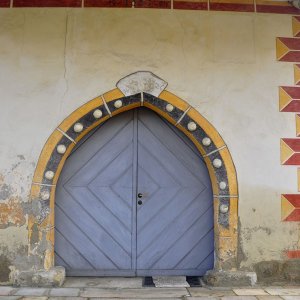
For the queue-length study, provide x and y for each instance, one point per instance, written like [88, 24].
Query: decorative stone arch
[135, 90]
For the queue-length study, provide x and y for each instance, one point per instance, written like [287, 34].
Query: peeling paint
[32, 208]
[37, 208]
[11, 213]
[44, 244]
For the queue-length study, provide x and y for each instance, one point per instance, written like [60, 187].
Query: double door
[134, 199]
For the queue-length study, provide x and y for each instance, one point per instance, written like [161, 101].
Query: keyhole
[140, 202]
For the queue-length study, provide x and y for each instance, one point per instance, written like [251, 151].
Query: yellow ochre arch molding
[138, 89]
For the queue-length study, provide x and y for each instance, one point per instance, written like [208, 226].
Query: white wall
[224, 64]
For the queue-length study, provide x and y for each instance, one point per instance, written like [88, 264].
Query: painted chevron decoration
[289, 99]
[298, 125]
[290, 207]
[290, 151]
[297, 74]
[288, 50]
[296, 26]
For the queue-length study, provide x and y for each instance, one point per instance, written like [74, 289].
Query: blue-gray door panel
[100, 228]
[94, 203]
[175, 221]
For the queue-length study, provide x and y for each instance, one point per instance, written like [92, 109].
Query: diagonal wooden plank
[168, 234]
[118, 129]
[85, 245]
[185, 149]
[174, 141]
[207, 263]
[186, 242]
[198, 253]
[152, 236]
[113, 215]
[60, 262]
[166, 159]
[114, 168]
[156, 167]
[146, 211]
[108, 240]
[102, 159]
[202, 220]
[67, 251]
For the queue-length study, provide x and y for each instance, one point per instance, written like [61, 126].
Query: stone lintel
[141, 81]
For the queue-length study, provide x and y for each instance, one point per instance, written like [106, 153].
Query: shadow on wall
[8, 258]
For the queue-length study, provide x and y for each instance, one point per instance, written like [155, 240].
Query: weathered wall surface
[224, 64]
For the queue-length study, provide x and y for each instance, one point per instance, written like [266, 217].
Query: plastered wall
[222, 63]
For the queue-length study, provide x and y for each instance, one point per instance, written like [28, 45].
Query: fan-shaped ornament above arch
[138, 89]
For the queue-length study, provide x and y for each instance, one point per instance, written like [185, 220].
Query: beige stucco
[224, 64]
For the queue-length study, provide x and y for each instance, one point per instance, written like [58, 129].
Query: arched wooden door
[134, 198]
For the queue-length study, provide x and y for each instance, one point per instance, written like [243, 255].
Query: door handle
[140, 195]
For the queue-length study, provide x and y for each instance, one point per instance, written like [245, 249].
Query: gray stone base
[278, 271]
[230, 278]
[54, 277]
[170, 281]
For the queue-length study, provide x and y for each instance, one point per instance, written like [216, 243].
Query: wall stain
[247, 233]
[7, 258]
[4, 268]
[5, 191]
[241, 256]
[11, 213]
[34, 238]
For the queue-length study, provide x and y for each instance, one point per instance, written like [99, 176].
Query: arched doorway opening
[136, 90]
[134, 199]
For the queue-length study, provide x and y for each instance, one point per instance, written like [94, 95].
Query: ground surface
[131, 288]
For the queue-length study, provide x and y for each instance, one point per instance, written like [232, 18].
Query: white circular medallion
[224, 208]
[169, 107]
[192, 126]
[49, 175]
[78, 127]
[118, 104]
[222, 185]
[206, 141]
[45, 195]
[61, 149]
[217, 163]
[97, 113]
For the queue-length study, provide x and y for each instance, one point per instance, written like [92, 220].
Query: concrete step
[170, 281]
